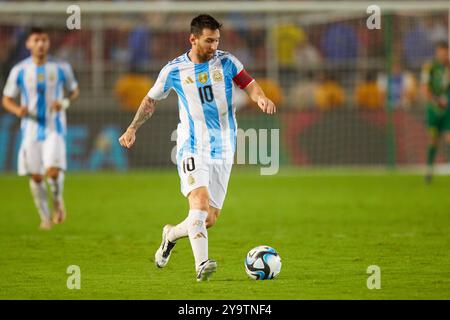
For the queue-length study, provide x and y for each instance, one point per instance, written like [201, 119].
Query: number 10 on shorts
[188, 165]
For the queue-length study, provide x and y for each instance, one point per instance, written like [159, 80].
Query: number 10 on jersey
[206, 94]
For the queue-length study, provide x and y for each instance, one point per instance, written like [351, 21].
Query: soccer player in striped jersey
[46, 87]
[204, 79]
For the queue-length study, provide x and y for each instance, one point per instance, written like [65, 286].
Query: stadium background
[347, 95]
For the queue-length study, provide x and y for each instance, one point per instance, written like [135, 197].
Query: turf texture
[327, 226]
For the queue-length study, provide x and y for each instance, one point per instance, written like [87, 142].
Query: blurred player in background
[203, 79]
[40, 82]
[436, 86]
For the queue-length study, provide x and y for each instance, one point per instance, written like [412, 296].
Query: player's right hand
[266, 105]
[128, 138]
[22, 112]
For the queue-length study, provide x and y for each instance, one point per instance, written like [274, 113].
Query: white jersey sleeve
[70, 83]
[162, 86]
[235, 69]
[237, 65]
[12, 88]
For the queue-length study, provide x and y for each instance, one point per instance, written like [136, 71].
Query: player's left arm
[244, 81]
[257, 95]
[74, 94]
[65, 103]
[71, 85]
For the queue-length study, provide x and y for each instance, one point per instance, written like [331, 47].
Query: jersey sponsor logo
[203, 77]
[188, 80]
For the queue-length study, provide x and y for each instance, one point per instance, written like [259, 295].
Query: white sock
[179, 231]
[39, 193]
[57, 187]
[198, 236]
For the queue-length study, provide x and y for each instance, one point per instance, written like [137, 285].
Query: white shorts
[195, 172]
[35, 157]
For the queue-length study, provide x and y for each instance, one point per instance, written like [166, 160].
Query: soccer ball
[262, 263]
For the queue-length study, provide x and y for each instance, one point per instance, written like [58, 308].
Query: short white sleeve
[163, 85]
[12, 88]
[70, 82]
[235, 69]
[237, 66]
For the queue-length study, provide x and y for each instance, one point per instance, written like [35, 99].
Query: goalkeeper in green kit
[436, 86]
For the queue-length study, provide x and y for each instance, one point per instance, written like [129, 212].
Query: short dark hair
[442, 45]
[35, 30]
[204, 21]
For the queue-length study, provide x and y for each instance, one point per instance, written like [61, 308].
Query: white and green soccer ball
[263, 263]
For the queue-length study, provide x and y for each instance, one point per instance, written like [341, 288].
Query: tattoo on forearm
[144, 112]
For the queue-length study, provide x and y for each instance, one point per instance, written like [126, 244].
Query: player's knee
[200, 200]
[53, 173]
[37, 178]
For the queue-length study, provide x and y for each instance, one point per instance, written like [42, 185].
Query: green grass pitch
[327, 227]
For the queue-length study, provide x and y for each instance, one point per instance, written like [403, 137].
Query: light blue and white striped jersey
[38, 87]
[205, 98]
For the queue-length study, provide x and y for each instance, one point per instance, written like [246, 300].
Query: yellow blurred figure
[368, 94]
[329, 94]
[130, 88]
[287, 37]
[272, 90]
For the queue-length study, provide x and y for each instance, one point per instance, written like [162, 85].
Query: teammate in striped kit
[204, 79]
[42, 83]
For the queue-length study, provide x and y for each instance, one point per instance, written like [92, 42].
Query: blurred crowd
[322, 65]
